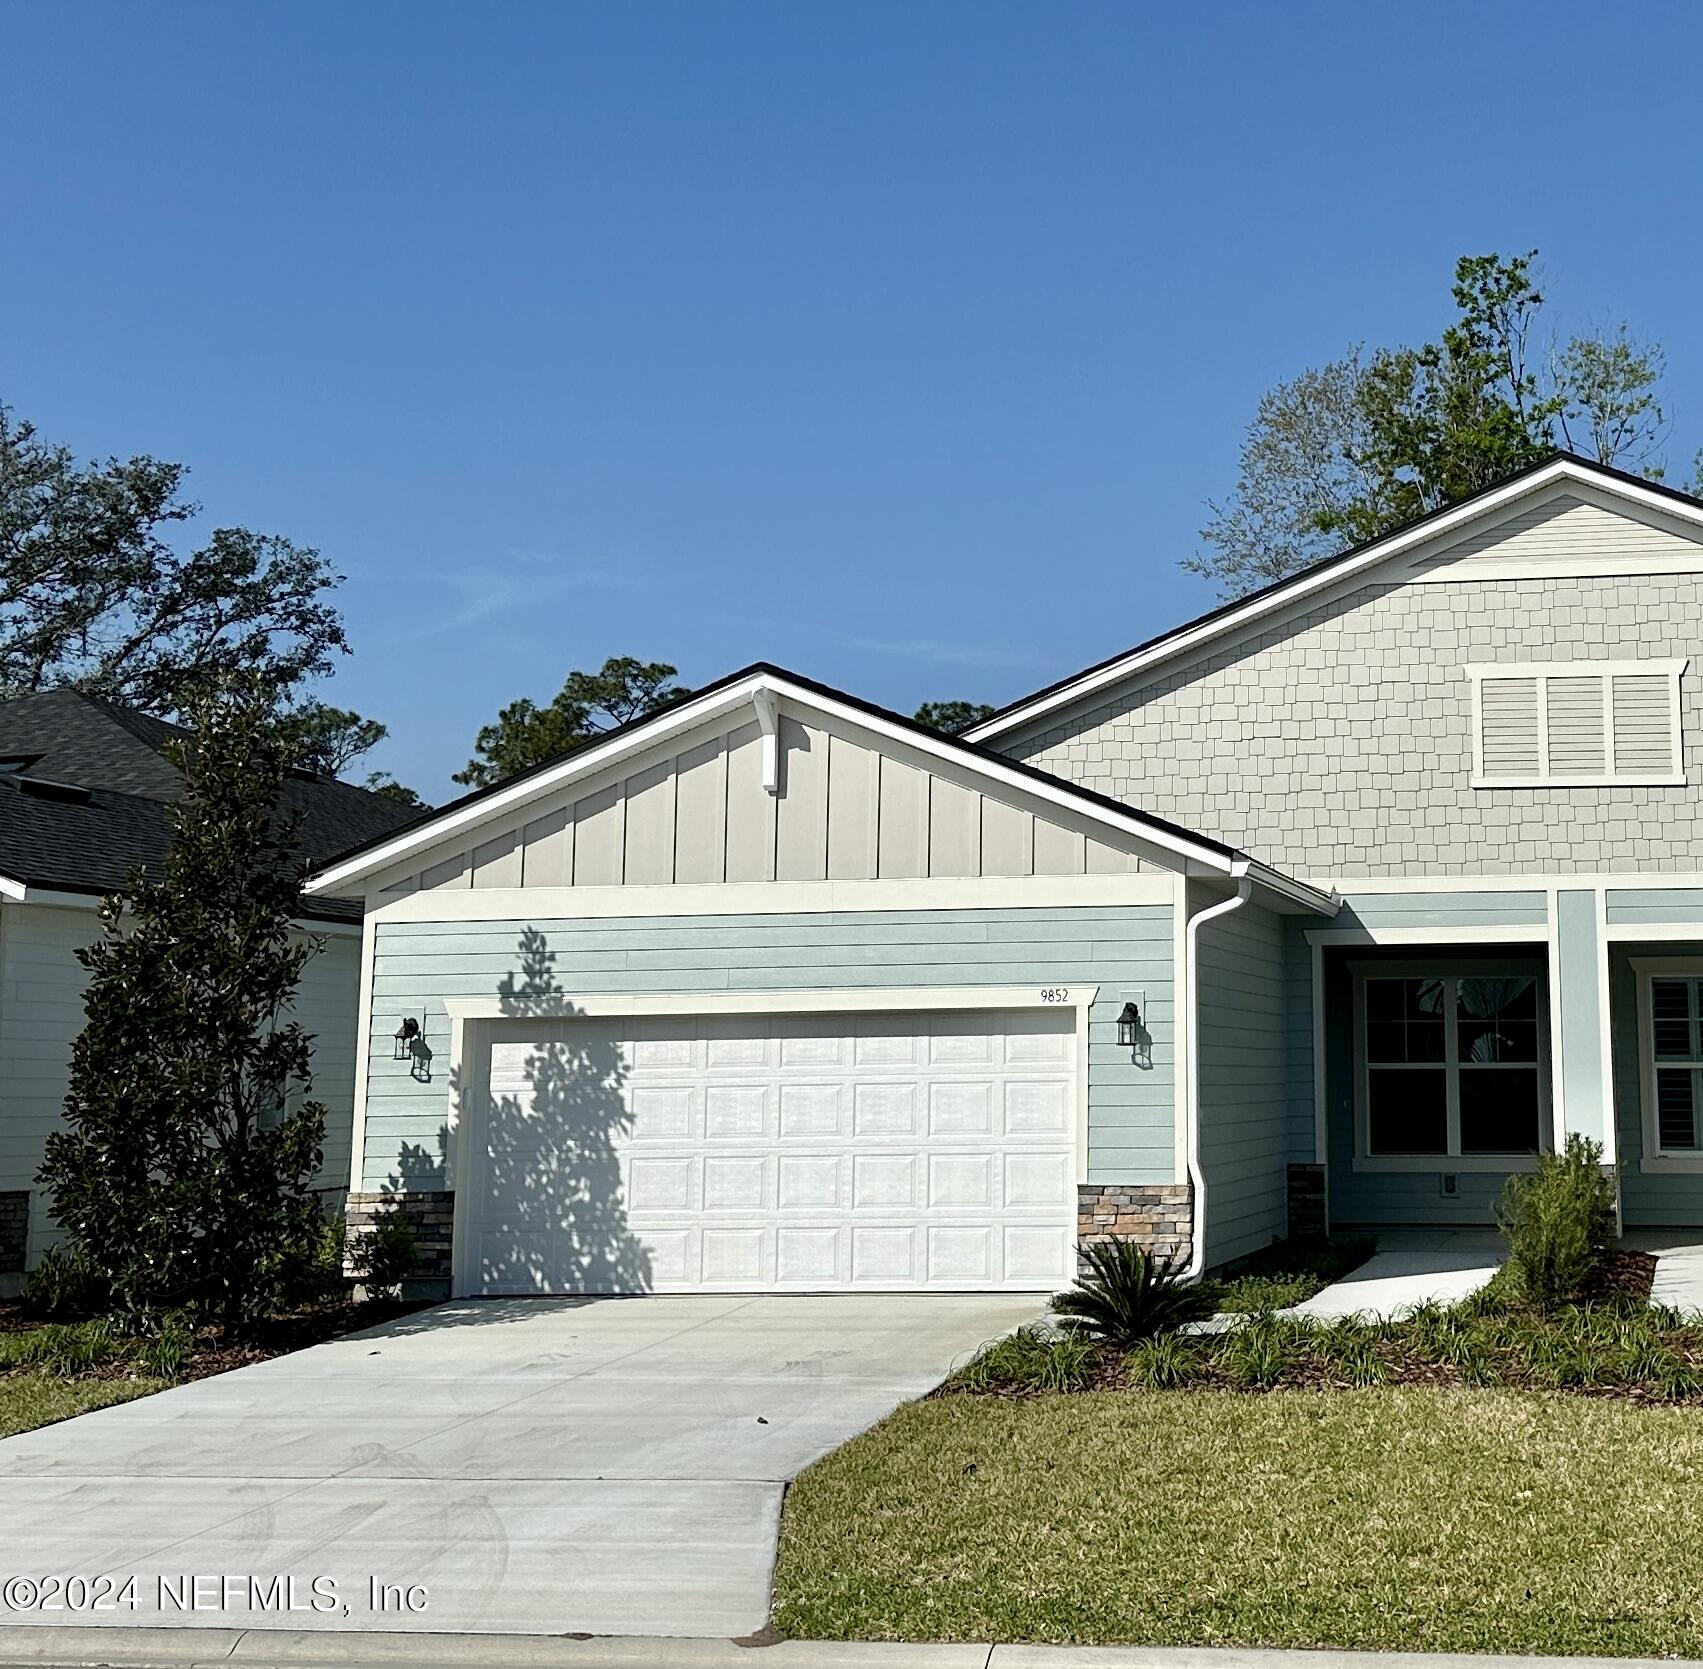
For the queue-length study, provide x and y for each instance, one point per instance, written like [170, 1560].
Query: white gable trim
[1434, 528]
[599, 756]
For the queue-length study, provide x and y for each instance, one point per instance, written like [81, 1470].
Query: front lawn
[1396, 1518]
[32, 1398]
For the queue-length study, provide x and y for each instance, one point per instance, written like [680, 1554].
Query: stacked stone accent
[432, 1218]
[14, 1230]
[1159, 1215]
[1307, 1217]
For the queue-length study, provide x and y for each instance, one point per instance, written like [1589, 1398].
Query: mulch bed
[278, 1337]
[1621, 1274]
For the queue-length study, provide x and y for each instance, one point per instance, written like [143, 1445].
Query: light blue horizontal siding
[1244, 1081]
[1125, 950]
[1443, 910]
[1654, 906]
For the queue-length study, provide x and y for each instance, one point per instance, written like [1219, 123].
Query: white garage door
[877, 1152]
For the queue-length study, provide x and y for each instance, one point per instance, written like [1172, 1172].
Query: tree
[949, 717]
[387, 787]
[329, 739]
[587, 705]
[1363, 446]
[183, 1172]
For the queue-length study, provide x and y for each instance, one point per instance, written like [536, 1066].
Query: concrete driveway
[535, 1466]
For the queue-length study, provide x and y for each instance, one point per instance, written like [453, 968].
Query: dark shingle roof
[91, 841]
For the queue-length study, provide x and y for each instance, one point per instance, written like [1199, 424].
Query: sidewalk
[141, 1648]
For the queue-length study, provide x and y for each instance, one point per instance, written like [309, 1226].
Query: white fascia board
[582, 762]
[1188, 638]
[690, 714]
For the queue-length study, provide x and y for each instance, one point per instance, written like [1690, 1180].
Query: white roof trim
[689, 714]
[1187, 638]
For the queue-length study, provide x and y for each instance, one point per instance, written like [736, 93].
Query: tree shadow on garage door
[549, 1188]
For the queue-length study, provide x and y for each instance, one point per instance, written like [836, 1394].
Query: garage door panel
[814, 1152]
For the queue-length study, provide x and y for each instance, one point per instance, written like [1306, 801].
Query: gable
[847, 806]
[1568, 518]
[1572, 533]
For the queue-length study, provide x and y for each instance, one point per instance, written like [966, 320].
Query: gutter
[1191, 1048]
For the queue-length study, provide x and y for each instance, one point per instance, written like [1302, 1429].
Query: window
[1451, 1067]
[1577, 722]
[1670, 1034]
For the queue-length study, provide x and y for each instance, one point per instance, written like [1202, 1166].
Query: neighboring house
[84, 787]
[1340, 903]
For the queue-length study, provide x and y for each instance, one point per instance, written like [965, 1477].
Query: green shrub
[1128, 1294]
[64, 1283]
[387, 1255]
[164, 1354]
[1557, 1222]
[1028, 1360]
[313, 1273]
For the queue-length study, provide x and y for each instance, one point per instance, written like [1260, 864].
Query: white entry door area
[803, 1152]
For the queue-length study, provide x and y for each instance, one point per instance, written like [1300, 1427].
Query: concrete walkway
[168, 1649]
[607, 1466]
[1410, 1267]
[1679, 1266]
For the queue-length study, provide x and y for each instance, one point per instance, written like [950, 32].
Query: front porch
[1450, 1049]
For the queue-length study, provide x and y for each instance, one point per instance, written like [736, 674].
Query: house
[1337, 905]
[84, 789]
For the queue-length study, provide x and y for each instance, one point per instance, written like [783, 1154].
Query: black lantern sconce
[405, 1035]
[411, 1046]
[1134, 1036]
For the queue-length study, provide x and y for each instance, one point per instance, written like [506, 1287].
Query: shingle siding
[1340, 741]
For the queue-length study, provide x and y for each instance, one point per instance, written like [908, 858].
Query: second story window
[1576, 723]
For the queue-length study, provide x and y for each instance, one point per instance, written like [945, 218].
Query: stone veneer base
[1158, 1215]
[432, 1218]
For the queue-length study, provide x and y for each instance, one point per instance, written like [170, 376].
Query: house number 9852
[1055, 993]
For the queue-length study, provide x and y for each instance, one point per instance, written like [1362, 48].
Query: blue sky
[900, 344]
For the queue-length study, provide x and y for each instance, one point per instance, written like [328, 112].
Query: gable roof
[1491, 502]
[89, 803]
[738, 688]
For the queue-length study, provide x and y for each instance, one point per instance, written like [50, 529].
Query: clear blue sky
[897, 343]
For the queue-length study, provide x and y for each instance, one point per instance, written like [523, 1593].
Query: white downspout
[1191, 1047]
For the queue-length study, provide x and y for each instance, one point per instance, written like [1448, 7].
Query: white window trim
[1542, 671]
[1653, 1160]
[1441, 1163]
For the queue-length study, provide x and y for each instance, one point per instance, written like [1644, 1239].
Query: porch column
[1582, 1093]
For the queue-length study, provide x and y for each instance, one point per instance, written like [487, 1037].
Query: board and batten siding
[1244, 1082]
[1125, 950]
[701, 815]
[41, 1014]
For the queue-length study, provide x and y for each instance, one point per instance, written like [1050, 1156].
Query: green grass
[38, 1398]
[1395, 1518]
[1289, 1272]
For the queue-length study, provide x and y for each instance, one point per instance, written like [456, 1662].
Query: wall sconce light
[405, 1035]
[1134, 1036]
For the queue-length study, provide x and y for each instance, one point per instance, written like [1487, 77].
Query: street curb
[101, 1646]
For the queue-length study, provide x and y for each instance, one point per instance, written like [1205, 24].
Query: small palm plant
[1127, 1294]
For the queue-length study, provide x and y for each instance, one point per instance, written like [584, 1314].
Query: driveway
[535, 1466]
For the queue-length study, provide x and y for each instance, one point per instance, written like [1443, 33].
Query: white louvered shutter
[1576, 738]
[1644, 724]
[1510, 731]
